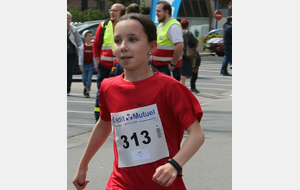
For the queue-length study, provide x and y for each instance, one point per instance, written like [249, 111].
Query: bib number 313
[144, 134]
[139, 136]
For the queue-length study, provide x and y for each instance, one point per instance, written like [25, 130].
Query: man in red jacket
[103, 49]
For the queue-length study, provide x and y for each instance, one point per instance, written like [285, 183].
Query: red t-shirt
[88, 54]
[178, 108]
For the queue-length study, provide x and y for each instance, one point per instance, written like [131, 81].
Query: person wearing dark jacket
[227, 38]
[73, 43]
[196, 65]
[191, 41]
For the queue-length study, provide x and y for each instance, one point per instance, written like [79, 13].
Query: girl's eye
[117, 41]
[133, 39]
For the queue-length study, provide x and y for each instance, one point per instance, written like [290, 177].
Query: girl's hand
[80, 181]
[165, 175]
[95, 68]
[81, 69]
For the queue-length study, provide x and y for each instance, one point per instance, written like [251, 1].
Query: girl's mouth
[125, 58]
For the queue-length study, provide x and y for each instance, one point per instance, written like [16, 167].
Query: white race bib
[140, 137]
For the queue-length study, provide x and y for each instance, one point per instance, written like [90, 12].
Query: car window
[92, 28]
[82, 26]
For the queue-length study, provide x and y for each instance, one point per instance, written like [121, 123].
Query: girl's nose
[124, 46]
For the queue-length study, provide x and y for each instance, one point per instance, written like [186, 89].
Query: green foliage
[143, 3]
[213, 36]
[86, 15]
[95, 14]
[90, 14]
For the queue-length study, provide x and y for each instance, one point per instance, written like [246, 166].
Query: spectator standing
[87, 63]
[73, 43]
[191, 41]
[148, 157]
[196, 65]
[132, 8]
[227, 38]
[103, 49]
[167, 57]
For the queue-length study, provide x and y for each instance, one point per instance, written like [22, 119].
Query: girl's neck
[137, 75]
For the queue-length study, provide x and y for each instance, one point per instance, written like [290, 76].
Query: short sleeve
[185, 105]
[104, 111]
[175, 34]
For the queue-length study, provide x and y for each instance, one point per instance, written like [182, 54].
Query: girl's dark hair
[146, 22]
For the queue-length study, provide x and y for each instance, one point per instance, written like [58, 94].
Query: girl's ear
[153, 46]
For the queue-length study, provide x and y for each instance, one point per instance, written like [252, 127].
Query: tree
[86, 15]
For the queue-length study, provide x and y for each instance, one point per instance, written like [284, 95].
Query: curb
[77, 78]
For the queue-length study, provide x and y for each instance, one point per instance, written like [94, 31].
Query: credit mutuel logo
[133, 116]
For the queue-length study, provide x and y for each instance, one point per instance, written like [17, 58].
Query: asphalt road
[209, 169]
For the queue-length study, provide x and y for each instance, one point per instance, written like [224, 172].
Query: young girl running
[147, 118]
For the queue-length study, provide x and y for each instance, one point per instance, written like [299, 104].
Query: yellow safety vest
[165, 48]
[107, 56]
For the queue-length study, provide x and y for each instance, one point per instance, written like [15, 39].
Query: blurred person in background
[196, 65]
[73, 43]
[191, 41]
[167, 57]
[87, 63]
[227, 38]
[103, 49]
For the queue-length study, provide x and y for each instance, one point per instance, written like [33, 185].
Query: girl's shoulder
[165, 80]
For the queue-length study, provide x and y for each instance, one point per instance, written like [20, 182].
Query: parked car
[215, 45]
[76, 23]
[215, 31]
[89, 25]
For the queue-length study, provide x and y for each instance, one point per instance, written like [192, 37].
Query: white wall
[221, 23]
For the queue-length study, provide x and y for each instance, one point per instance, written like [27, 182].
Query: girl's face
[131, 45]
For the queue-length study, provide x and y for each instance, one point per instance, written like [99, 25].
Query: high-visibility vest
[165, 48]
[107, 56]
